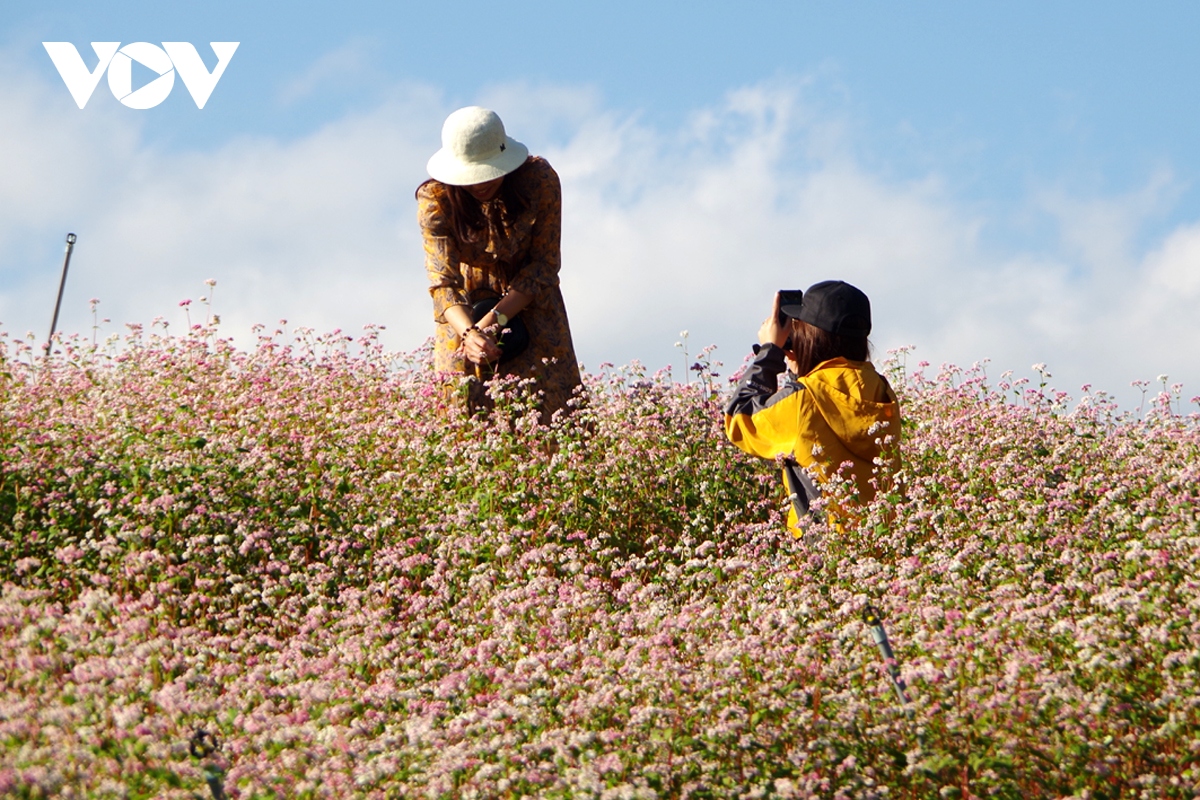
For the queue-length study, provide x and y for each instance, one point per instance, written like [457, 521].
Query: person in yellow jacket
[832, 416]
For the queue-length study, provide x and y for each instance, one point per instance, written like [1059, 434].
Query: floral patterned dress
[522, 254]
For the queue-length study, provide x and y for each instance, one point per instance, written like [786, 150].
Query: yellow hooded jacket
[833, 420]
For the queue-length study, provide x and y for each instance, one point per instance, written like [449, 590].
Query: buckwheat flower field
[281, 572]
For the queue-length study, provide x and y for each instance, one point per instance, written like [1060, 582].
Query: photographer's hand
[771, 332]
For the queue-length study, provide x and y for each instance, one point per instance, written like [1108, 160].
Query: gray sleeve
[759, 387]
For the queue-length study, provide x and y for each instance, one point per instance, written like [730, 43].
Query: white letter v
[196, 76]
[80, 82]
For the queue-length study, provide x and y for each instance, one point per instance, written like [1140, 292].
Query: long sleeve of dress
[441, 255]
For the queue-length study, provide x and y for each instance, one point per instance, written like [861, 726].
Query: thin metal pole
[202, 745]
[61, 285]
[874, 621]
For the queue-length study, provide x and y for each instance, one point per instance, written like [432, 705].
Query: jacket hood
[856, 403]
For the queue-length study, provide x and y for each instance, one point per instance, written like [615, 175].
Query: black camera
[788, 297]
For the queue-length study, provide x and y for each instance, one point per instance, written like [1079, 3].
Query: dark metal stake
[61, 285]
[202, 745]
[873, 620]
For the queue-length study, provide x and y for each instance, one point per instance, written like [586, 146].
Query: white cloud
[664, 230]
[320, 231]
[344, 64]
[1163, 310]
[1099, 231]
[1174, 269]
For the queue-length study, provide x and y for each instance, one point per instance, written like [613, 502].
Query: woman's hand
[479, 347]
[771, 332]
[475, 345]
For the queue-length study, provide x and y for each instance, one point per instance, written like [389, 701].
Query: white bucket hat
[475, 149]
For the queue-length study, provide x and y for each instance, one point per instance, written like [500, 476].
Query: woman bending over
[491, 220]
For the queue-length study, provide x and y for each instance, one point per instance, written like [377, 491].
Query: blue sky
[1010, 181]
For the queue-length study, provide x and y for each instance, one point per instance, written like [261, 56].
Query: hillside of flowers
[285, 572]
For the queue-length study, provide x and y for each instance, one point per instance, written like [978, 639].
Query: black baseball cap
[835, 307]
